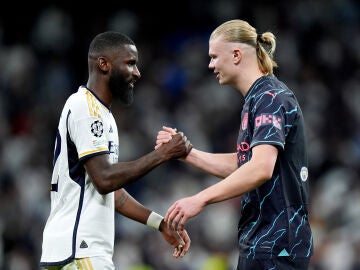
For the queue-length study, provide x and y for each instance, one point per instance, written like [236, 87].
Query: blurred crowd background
[43, 57]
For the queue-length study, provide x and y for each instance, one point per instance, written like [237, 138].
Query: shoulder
[271, 96]
[79, 101]
[275, 90]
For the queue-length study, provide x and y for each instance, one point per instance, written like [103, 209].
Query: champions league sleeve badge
[97, 128]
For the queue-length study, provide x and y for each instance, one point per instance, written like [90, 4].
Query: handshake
[172, 144]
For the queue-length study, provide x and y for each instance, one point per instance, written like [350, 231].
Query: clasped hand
[182, 210]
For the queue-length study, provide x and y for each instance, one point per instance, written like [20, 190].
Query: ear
[103, 64]
[237, 55]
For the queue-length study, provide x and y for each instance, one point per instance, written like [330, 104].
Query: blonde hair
[242, 32]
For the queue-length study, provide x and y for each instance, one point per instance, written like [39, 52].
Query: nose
[136, 73]
[211, 65]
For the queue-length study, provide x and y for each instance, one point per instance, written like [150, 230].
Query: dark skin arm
[109, 177]
[126, 205]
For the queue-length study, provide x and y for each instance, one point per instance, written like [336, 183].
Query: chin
[222, 81]
[128, 101]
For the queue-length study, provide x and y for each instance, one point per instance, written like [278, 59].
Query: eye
[132, 63]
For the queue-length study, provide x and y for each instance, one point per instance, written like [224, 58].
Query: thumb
[172, 131]
[179, 238]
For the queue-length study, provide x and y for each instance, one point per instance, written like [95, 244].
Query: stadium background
[43, 58]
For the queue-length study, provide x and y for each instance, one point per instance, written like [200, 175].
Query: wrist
[154, 220]
[189, 155]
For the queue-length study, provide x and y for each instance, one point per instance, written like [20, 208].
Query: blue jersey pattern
[274, 217]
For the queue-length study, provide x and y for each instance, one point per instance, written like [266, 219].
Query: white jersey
[81, 221]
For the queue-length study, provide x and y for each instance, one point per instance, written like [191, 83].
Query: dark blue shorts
[278, 263]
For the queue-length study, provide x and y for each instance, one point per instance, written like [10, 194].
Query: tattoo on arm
[121, 201]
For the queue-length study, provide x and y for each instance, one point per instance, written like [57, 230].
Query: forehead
[127, 52]
[217, 45]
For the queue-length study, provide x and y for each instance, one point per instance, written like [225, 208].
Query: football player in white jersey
[87, 181]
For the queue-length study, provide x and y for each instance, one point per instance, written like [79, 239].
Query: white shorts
[90, 263]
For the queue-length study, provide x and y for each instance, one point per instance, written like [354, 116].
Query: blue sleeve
[269, 119]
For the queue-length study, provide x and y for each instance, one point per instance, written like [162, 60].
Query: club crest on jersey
[97, 128]
[304, 174]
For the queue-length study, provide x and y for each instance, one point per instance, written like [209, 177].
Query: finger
[182, 222]
[182, 252]
[169, 214]
[180, 242]
[163, 133]
[187, 145]
[161, 141]
[187, 241]
[158, 145]
[164, 136]
[177, 252]
[176, 221]
[172, 131]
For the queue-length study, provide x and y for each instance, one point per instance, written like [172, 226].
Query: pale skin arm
[127, 206]
[219, 165]
[244, 179]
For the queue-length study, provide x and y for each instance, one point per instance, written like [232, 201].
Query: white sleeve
[86, 132]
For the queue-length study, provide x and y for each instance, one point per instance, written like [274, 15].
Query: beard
[121, 88]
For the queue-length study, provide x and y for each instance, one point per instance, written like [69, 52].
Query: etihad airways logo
[268, 119]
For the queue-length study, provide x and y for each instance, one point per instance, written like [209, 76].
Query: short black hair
[107, 41]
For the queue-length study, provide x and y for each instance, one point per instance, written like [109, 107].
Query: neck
[248, 70]
[247, 80]
[101, 91]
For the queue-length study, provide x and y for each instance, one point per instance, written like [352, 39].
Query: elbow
[268, 173]
[102, 185]
[102, 174]
[266, 176]
[103, 190]
[105, 185]
[265, 173]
